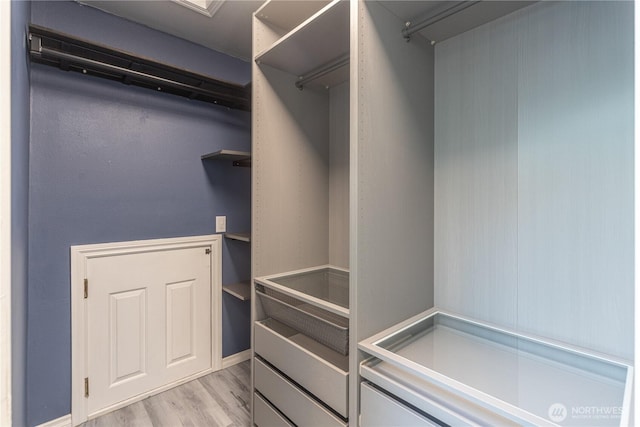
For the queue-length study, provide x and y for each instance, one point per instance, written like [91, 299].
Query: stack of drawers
[296, 381]
[301, 364]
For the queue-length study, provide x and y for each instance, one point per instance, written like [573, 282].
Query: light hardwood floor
[217, 399]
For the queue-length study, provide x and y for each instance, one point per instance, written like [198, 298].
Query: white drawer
[299, 407]
[320, 370]
[379, 410]
[265, 415]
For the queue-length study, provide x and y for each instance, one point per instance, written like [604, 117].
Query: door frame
[80, 255]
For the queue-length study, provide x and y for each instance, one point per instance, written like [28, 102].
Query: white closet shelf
[287, 15]
[243, 237]
[319, 40]
[240, 290]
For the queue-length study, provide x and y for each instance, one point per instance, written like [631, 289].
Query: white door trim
[5, 215]
[79, 257]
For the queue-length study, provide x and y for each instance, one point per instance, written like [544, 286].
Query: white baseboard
[58, 422]
[234, 359]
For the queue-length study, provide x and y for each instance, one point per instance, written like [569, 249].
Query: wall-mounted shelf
[240, 290]
[239, 158]
[70, 53]
[243, 237]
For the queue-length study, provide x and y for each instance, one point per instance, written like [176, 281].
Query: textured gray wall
[534, 173]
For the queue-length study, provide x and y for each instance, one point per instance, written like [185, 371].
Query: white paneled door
[148, 322]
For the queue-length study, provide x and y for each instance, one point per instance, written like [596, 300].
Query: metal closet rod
[458, 6]
[322, 71]
[97, 60]
[132, 73]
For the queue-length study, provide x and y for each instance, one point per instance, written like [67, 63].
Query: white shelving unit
[465, 165]
[301, 210]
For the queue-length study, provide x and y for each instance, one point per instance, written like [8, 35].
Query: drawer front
[299, 407]
[379, 410]
[265, 415]
[319, 377]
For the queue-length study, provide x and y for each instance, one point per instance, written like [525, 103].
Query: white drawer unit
[320, 370]
[513, 378]
[298, 406]
[381, 410]
[265, 415]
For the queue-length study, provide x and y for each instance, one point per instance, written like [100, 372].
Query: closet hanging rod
[68, 53]
[322, 71]
[458, 6]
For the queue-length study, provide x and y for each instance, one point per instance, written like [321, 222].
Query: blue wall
[110, 162]
[20, 13]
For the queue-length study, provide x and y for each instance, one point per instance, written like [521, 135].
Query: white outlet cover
[221, 224]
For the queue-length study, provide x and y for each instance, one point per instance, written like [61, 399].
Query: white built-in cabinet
[301, 213]
[481, 164]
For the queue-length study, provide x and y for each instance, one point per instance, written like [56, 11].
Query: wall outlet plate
[221, 224]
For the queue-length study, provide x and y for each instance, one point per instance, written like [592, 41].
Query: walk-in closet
[321, 213]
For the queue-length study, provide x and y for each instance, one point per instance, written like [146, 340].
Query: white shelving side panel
[319, 40]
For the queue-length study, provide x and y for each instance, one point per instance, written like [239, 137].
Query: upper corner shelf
[287, 15]
[239, 158]
[319, 40]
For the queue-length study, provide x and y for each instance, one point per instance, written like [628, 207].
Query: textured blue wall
[110, 162]
[20, 13]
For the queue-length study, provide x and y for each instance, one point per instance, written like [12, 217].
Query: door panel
[149, 322]
[180, 322]
[127, 326]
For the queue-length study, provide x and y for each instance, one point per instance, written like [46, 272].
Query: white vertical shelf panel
[339, 176]
[576, 124]
[476, 174]
[291, 174]
[394, 174]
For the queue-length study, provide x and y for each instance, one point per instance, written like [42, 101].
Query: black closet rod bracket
[73, 54]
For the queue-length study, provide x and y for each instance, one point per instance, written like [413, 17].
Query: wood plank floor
[218, 399]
